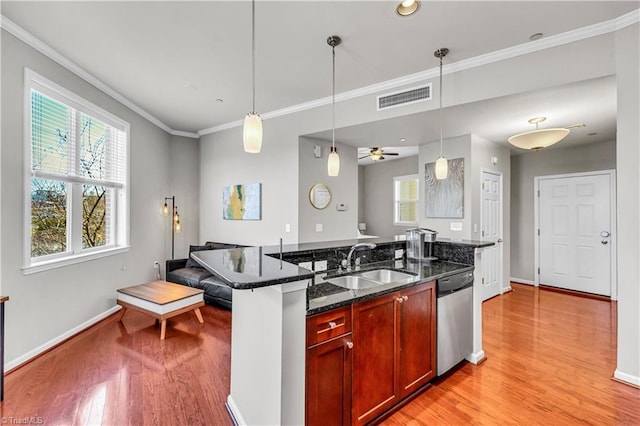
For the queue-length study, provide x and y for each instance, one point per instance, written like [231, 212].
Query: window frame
[396, 200]
[74, 253]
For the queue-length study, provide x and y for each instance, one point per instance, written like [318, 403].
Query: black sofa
[188, 272]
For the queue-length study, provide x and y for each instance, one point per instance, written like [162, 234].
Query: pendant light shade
[442, 166]
[333, 165]
[252, 133]
[538, 138]
[333, 162]
[252, 129]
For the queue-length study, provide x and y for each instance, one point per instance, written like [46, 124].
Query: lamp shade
[252, 133]
[333, 163]
[537, 139]
[442, 168]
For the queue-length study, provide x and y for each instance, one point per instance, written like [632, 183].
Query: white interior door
[491, 230]
[575, 233]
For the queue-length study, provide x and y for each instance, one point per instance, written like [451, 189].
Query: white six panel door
[575, 227]
[491, 229]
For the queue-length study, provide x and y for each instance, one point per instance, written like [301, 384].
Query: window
[76, 190]
[405, 200]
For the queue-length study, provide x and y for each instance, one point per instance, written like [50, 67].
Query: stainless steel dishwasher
[455, 320]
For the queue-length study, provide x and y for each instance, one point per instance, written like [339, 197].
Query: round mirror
[320, 196]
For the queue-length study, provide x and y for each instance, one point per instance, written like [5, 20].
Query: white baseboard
[628, 378]
[53, 342]
[522, 281]
[236, 417]
[475, 357]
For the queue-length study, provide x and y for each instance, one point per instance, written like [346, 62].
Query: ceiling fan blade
[391, 153]
[366, 156]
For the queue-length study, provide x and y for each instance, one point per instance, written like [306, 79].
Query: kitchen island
[272, 297]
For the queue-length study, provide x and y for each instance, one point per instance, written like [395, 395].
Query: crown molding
[28, 38]
[583, 33]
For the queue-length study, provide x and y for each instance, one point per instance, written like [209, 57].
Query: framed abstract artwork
[445, 197]
[242, 202]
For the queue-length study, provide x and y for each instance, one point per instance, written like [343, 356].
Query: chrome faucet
[353, 249]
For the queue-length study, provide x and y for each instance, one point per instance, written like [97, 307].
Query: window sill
[59, 263]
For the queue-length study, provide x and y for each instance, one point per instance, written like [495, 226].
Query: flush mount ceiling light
[540, 138]
[442, 166]
[252, 129]
[407, 7]
[333, 164]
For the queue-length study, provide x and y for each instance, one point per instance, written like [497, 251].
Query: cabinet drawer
[327, 325]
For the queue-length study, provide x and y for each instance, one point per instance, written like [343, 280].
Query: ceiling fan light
[333, 163]
[442, 168]
[538, 139]
[252, 133]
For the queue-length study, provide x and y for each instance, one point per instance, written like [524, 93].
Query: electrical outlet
[156, 265]
[320, 265]
[306, 265]
[319, 227]
[398, 253]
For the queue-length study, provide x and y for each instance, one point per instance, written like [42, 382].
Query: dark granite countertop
[324, 296]
[249, 267]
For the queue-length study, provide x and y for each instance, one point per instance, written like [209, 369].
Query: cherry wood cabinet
[394, 349]
[329, 368]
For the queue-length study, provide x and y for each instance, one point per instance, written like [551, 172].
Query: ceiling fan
[376, 154]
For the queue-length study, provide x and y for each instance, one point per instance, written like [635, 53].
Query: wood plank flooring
[550, 361]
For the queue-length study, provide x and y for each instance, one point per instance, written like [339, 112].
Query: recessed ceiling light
[407, 7]
[536, 36]
[220, 100]
[592, 134]
[403, 139]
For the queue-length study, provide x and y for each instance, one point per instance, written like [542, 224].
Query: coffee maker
[420, 244]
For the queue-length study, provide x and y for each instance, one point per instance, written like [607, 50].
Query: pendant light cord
[253, 55]
[440, 109]
[333, 98]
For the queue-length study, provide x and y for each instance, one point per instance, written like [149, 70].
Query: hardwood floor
[550, 358]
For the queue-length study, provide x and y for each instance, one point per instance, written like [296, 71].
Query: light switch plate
[456, 226]
[287, 227]
[399, 253]
[318, 227]
[320, 265]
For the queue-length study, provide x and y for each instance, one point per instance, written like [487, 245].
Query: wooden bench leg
[163, 329]
[198, 315]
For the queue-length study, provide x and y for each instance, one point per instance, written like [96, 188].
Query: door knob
[350, 345]
[604, 234]
[499, 241]
[604, 242]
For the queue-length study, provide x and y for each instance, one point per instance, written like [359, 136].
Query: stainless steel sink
[370, 279]
[354, 282]
[386, 276]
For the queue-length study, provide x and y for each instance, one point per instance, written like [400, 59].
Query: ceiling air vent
[406, 97]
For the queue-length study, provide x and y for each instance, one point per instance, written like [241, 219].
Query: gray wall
[524, 168]
[47, 306]
[378, 194]
[336, 224]
[628, 193]
[185, 185]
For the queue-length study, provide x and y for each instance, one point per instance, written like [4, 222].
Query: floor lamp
[175, 220]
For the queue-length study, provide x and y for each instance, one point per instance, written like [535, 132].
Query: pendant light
[252, 129]
[442, 167]
[333, 164]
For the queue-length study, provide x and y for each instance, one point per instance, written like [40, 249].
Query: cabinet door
[329, 383]
[375, 364]
[417, 337]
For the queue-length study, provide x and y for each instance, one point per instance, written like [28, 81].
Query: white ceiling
[175, 59]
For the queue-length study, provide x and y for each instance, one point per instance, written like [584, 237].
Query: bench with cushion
[188, 272]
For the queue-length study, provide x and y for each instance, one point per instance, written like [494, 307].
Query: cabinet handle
[350, 345]
[400, 300]
[405, 298]
[332, 324]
